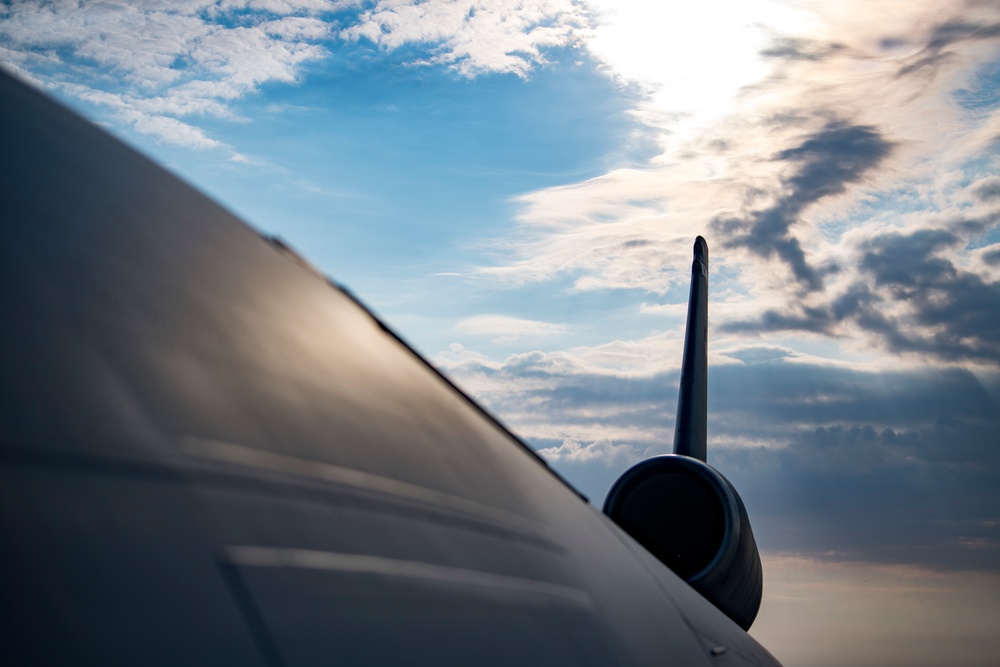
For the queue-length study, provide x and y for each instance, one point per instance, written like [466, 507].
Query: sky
[515, 187]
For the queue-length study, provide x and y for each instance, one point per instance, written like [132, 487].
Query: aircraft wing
[212, 455]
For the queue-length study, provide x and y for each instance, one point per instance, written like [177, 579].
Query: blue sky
[515, 187]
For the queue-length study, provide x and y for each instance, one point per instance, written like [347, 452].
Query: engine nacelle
[691, 518]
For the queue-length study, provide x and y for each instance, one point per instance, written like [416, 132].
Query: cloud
[170, 130]
[603, 451]
[840, 463]
[944, 37]
[910, 296]
[756, 354]
[155, 66]
[826, 163]
[992, 256]
[987, 189]
[792, 48]
[279, 7]
[815, 169]
[297, 27]
[472, 36]
[506, 329]
[956, 312]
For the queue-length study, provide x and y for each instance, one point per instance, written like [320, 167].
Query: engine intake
[690, 517]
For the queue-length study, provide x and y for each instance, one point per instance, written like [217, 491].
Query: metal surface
[691, 518]
[209, 455]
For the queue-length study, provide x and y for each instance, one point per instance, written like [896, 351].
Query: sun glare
[691, 58]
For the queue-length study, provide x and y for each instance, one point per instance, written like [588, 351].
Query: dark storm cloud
[891, 494]
[892, 467]
[951, 313]
[831, 159]
[777, 400]
[908, 263]
[960, 307]
[827, 162]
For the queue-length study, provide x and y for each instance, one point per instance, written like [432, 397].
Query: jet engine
[692, 519]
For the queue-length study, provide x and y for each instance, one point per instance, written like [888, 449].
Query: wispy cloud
[856, 134]
[826, 162]
[158, 66]
[505, 329]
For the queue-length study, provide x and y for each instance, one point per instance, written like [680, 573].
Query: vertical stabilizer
[692, 400]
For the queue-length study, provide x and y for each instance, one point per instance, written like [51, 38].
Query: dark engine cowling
[691, 518]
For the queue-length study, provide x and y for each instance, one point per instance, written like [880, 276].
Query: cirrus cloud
[158, 66]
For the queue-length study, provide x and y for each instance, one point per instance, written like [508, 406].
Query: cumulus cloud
[603, 451]
[474, 36]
